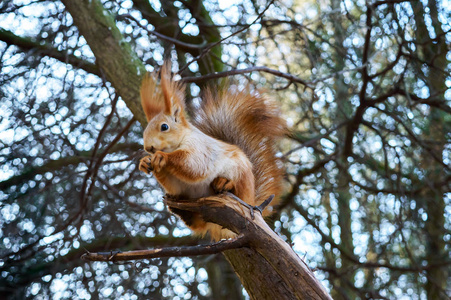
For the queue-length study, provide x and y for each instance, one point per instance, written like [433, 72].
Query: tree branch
[55, 165]
[257, 252]
[216, 75]
[238, 242]
[47, 50]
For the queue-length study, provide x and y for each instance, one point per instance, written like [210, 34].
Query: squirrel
[227, 146]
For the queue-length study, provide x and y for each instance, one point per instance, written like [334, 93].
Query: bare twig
[162, 36]
[216, 75]
[212, 45]
[238, 242]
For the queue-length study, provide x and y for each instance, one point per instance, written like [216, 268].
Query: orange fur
[175, 165]
[173, 91]
[230, 147]
[167, 96]
[151, 96]
[252, 122]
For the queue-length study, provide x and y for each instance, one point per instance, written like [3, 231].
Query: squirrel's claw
[260, 208]
[264, 204]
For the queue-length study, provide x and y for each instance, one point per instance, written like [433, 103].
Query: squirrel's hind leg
[222, 185]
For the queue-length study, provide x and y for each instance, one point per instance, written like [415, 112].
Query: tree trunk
[223, 281]
[342, 284]
[432, 199]
[114, 56]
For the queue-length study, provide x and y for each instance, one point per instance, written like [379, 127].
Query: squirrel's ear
[173, 91]
[151, 96]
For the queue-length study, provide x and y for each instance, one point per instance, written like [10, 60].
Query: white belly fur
[210, 159]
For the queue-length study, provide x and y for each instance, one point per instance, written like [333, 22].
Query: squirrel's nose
[150, 149]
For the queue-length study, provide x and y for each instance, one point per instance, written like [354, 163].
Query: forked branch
[266, 265]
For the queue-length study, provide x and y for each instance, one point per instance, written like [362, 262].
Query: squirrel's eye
[164, 127]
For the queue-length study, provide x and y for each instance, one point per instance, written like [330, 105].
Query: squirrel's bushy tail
[253, 123]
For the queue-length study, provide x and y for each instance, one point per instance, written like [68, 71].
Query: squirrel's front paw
[145, 164]
[159, 160]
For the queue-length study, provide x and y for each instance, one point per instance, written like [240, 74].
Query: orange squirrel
[229, 146]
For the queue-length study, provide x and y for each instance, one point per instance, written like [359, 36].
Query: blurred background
[365, 88]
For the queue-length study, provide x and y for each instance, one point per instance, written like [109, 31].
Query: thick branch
[265, 264]
[269, 268]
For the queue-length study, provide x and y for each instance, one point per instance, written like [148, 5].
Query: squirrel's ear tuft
[167, 97]
[151, 96]
[173, 91]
